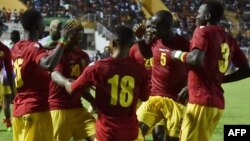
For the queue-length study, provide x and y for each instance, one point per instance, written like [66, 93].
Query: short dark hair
[31, 19]
[123, 35]
[216, 10]
[164, 18]
[15, 36]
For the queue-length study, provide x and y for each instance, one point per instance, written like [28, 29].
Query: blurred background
[99, 17]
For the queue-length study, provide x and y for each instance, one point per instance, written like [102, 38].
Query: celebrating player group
[154, 81]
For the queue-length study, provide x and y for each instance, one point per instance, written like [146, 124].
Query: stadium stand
[111, 13]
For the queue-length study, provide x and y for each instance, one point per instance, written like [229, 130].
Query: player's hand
[139, 29]
[183, 96]
[67, 85]
[50, 45]
[68, 31]
[150, 34]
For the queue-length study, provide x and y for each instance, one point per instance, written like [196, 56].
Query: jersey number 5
[224, 62]
[163, 58]
[17, 69]
[122, 90]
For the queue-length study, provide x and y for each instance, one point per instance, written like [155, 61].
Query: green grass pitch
[237, 97]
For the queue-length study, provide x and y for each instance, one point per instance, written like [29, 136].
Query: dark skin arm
[241, 73]
[61, 80]
[144, 43]
[195, 57]
[49, 62]
[10, 76]
[145, 49]
[58, 78]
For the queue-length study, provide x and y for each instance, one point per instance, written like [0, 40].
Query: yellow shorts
[33, 127]
[77, 123]
[199, 122]
[162, 109]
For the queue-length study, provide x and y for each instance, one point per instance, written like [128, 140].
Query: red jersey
[168, 76]
[119, 84]
[71, 66]
[135, 54]
[5, 58]
[31, 80]
[204, 82]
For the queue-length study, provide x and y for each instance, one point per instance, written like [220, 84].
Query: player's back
[25, 55]
[31, 80]
[119, 84]
[217, 53]
[213, 41]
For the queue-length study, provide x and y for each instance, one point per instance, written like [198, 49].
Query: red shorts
[109, 133]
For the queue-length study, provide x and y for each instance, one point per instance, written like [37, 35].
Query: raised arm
[144, 40]
[49, 62]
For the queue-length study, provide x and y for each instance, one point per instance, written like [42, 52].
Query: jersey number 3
[224, 62]
[122, 90]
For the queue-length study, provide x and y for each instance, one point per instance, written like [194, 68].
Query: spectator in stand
[107, 52]
[98, 55]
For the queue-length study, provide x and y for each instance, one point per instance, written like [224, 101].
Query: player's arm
[49, 62]
[143, 43]
[145, 49]
[242, 72]
[61, 80]
[58, 78]
[194, 57]
[240, 61]
[10, 73]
